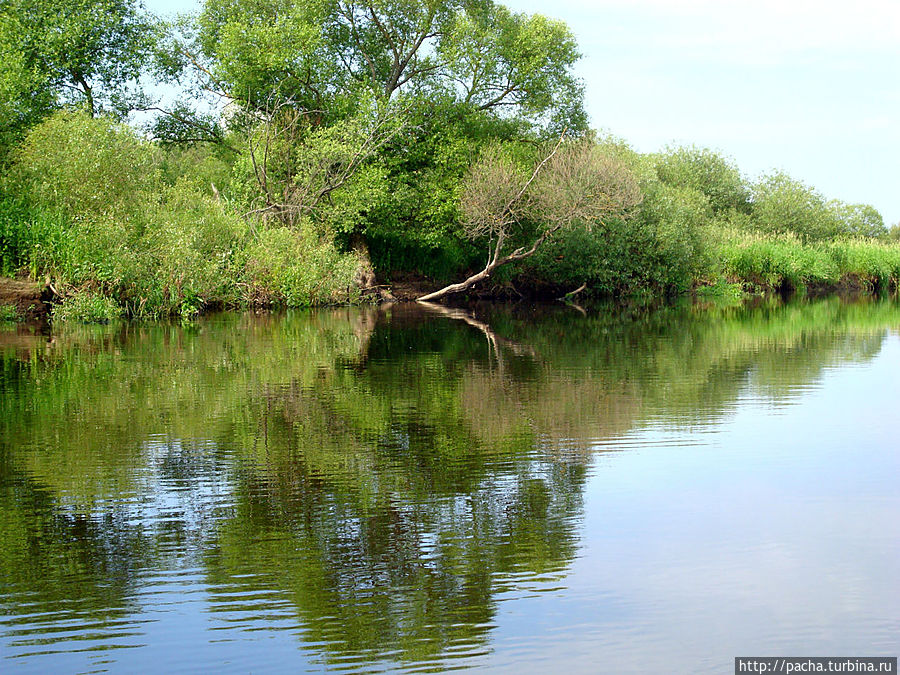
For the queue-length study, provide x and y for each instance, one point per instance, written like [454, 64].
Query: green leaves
[707, 172]
[321, 55]
[500, 59]
[75, 51]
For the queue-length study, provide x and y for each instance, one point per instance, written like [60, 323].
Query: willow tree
[514, 211]
[321, 55]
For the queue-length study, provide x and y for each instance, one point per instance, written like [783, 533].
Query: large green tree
[57, 52]
[321, 56]
[445, 77]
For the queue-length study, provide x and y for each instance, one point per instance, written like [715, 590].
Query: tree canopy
[73, 51]
[324, 55]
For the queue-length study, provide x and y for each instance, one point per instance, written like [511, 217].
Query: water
[517, 490]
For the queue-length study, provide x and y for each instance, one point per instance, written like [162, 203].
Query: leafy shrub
[9, 313]
[87, 308]
[293, 268]
[783, 205]
[706, 172]
[663, 248]
[858, 220]
[186, 258]
[87, 167]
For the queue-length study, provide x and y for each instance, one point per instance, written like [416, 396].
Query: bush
[87, 167]
[87, 308]
[782, 205]
[186, 257]
[663, 248]
[296, 269]
[98, 216]
[858, 220]
[706, 172]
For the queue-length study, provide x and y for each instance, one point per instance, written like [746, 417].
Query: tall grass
[763, 262]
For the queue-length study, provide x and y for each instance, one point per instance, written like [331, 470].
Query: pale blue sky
[811, 87]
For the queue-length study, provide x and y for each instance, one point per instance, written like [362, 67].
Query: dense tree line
[317, 147]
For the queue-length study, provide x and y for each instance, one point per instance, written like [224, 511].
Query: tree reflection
[389, 472]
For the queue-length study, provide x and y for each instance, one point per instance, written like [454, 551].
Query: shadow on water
[372, 479]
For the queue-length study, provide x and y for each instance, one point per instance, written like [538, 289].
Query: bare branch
[573, 183]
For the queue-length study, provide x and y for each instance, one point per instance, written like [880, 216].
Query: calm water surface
[516, 489]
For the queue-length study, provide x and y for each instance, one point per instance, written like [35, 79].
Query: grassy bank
[124, 228]
[772, 262]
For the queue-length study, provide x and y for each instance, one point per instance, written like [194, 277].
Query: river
[514, 489]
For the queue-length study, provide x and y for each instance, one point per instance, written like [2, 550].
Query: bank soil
[31, 299]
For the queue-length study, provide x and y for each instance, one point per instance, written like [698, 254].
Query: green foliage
[663, 246]
[503, 58]
[706, 172]
[9, 314]
[873, 264]
[208, 169]
[87, 167]
[675, 220]
[183, 126]
[24, 96]
[354, 123]
[858, 220]
[893, 233]
[294, 268]
[768, 262]
[323, 57]
[143, 228]
[87, 308]
[14, 234]
[81, 51]
[271, 51]
[784, 205]
[416, 226]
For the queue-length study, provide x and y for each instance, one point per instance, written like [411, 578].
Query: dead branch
[571, 184]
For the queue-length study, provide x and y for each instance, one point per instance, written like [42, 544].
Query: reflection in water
[369, 484]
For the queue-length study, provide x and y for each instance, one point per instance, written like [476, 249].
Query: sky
[809, 87]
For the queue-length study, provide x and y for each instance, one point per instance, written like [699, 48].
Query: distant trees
[783, 204]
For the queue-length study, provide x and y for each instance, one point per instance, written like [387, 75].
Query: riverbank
[24, 300]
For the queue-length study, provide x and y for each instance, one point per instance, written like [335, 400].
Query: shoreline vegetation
[321, 158]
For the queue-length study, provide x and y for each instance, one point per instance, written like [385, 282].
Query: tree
[862, 220]
[498, 60]
[573, 183]
[782, 204]
[322, 56]
[74, 51]
[24, 96]
[707, 172]
[298, 168]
